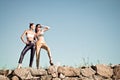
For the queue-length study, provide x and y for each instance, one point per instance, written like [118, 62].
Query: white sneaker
[19, 66]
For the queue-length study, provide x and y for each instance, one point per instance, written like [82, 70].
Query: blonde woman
[41, 43]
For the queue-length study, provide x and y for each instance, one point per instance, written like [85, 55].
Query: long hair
[37, 27]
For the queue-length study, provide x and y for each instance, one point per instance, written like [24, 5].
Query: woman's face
[33, 26]
[38, 28]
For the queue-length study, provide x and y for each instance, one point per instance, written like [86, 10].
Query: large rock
[71, 78]
[3, 77]
[68, 71]
[97, 77]
[61, 76]
[23, 73]
[15, 78]
[86, 78]
[87, 72]
[46, 77]
[104, 70]
[116, 71]
[5, 72]
[53, 71]
[38, 72]
[56, 79]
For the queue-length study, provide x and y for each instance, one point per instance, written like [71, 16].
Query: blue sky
[80, 29]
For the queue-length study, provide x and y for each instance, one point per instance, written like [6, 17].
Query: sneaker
[19, 66]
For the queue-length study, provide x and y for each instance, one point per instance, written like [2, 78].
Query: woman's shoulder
[26, 31]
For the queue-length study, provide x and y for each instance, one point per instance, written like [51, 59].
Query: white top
[30, 35]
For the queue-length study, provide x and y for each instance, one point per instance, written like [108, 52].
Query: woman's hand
[26, 42]
[47, 27]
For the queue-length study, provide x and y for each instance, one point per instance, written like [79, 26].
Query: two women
[35, 40]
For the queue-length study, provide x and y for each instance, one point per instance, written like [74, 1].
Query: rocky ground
[97, 72]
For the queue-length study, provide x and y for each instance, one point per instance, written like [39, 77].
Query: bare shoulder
[26, 31]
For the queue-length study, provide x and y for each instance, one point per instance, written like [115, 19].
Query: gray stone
[5, 72]
[2, 77]
[36, 78]
[56, 79]
[46, 77]
[108, 79]
[23, 73]
[69, 71]
[116, 71]
[61, 76]
[53, 71]
[97, 77]
[87, 72]
[15, 78]
[104, 70]
[71, 78]
[38, 72]
[90, 78]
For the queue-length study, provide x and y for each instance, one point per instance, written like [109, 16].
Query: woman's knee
[48, 48]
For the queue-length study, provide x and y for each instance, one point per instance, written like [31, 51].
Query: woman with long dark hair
[41, 43]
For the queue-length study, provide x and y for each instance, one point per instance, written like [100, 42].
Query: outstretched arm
[46, 28]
